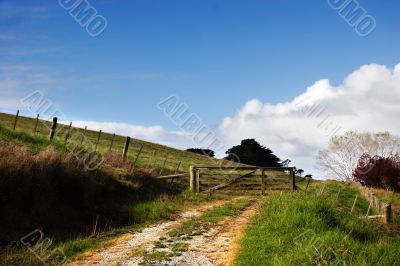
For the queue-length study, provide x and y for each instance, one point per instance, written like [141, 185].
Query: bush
[378, 171]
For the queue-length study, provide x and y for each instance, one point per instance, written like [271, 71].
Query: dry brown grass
[53, 192]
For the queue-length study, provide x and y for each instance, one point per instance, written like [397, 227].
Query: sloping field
[152, 155]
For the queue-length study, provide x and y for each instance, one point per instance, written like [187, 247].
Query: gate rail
[195, 175]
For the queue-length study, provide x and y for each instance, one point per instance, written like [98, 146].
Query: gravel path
[213, 246]
[119, 250]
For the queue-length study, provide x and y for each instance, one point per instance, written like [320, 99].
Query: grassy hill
[152, 154]
[43, 186]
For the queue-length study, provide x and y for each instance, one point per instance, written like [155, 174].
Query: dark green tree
[253, 153]
[299, 172]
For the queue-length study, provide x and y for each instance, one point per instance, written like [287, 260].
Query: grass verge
[300, 229]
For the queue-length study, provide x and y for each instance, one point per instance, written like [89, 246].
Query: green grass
[388, 196]
[300, 229]
[34, 143]
[201, 224]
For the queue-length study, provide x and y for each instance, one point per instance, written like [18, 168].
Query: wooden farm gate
[241, 179]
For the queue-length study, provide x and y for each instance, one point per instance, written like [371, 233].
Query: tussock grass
[300, 229]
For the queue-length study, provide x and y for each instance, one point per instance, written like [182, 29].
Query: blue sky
[216, 55]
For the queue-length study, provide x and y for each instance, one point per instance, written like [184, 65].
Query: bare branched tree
[340, 158]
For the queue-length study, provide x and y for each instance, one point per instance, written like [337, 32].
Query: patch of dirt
[212, 245]
[218, 246]
[123, 249]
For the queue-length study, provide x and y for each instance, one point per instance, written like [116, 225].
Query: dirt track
[215, 246]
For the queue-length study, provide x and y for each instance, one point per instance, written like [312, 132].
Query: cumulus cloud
[367, 100]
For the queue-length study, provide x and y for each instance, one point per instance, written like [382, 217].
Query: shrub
[378, 171]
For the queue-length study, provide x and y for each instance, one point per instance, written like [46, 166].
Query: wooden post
[338, 194]
[177, 168]
[127, 142]
[112, 142]
[163, 167]
[308, 183]
[53, 128]
[16, 120]
[354, 204]
[369, 209]
[262, 182]
[151, 160]
[380, 207]
[138, 154]
[322, 190]
[176, 171]
[68, 132]
[36, 124]
[83, 135]
[292, 181]
[197, 180]
[97, 141]
[193, 179]
[387, 214]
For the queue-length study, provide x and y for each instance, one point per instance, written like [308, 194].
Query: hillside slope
[152, 155]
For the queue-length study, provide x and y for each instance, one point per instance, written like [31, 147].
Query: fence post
[163, 167]
[262, 182]
[16, 120]
[197, 180]
[128, 140]
[97, 141]
[36, 124]
[112, 143]
[387, 214]
[338, 194]
[292, 181]
[308, 183]
[354, 204]
[83, 135]
[138, 154]
[193, 179]
[68, 132]
[322, 190]
[177, 168]
[53, 128]
[150, 162]
[176, 171]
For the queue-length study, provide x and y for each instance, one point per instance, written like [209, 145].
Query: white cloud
[367, 100]
[156, 134]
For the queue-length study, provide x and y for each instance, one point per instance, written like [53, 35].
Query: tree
[299, 172]
[206, 152]
[253, 153]
[341, 156]
[378, 171]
